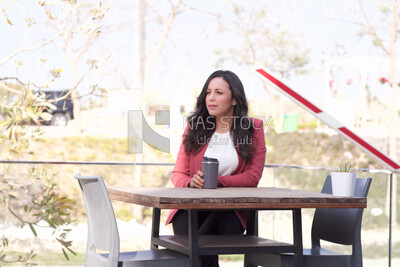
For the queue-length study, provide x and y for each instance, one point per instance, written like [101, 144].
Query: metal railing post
[390, 218]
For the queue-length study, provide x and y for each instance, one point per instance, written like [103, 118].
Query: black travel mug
[210, 172]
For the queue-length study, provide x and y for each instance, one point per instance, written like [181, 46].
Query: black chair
[340, 226]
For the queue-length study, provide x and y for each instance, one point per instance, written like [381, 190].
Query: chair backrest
[102, 226]
[341, 226]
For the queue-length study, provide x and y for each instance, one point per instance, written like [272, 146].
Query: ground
[307, 149]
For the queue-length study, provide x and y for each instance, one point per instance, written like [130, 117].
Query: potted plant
[343, 181]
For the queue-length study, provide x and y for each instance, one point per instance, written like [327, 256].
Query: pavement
[366, 263]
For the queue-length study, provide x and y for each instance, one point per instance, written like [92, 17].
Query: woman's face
[219, 99]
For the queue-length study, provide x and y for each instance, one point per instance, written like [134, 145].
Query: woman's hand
[197, 180]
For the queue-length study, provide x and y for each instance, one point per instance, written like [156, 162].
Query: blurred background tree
[261, 38]
[388, 42]
[145, 65]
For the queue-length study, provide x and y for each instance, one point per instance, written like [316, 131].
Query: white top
[221, 147]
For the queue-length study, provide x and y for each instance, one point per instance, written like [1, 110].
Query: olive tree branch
[51, 39]
[25, 49]
[19, 82]
[3, 10]
[66, 96]
[18, 216]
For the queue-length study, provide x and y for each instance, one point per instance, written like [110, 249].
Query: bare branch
[24, 49]
[10, 89]
[189, 7]
[159, 16]
[19, 82]
[19, 217]
[30, 48]
[371, 28]
[51, 39]
[250, 60]
[187, 52]
[6, 7]
[66, 96]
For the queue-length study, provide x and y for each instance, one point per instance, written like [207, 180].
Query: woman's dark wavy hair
[202, 124]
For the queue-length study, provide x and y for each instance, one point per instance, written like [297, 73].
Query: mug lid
[210, 160]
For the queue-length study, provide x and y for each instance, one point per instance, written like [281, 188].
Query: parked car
[64, 108]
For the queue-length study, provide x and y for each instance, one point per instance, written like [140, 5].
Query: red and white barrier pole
[267, 76]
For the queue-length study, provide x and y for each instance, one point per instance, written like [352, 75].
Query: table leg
[252, 229]
[252, 223]
[155, 227]
[193, 238]
[297, 237]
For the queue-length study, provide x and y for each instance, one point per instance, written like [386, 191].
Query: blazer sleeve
[253, 170]
[181, 173]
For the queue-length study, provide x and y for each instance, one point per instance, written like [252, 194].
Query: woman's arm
[181, 173]
[254, 169]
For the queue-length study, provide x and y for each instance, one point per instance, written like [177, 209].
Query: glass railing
[379, 220]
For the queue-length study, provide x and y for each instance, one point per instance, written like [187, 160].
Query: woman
[219, 128]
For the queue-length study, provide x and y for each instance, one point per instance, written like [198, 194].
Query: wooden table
[232, 198]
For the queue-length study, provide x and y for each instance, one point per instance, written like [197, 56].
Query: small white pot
[343, 183]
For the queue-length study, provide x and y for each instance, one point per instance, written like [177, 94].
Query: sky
[188, 56]
[328, 29]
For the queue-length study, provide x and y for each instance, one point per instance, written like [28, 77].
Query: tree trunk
[156, 51]
[148, 71]
[140, 58]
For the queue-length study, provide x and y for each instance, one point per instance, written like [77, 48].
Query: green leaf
[384, 8]
[46, 116]
[32, 115]
[33, 229]
[10, 135]
[70, 250]
[65, 254]
[346, 167]
[46, 104]
[51, 224]
[378, 42]
[4, 122]
[26, 208]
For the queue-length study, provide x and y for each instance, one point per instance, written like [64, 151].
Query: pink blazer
[247, 174]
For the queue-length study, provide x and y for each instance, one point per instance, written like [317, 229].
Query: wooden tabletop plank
[232, 197]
